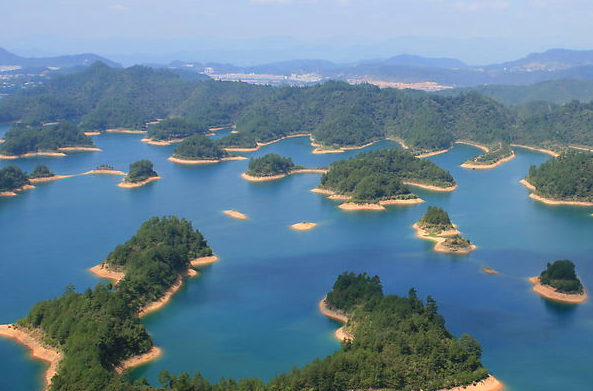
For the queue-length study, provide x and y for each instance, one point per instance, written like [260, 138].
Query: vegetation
[174, 129]
[140, 171]
[198, 147]
[12, 178]
[41, 171]
[495, 154]
[105, 167]
[351, 290]
[22, 139]
[379, 175]
[457, 242]
[561, 276]
[568, 177]
[269, 165]
[435, 220]
[99, 328]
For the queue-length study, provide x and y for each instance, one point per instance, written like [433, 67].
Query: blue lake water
[254, 313]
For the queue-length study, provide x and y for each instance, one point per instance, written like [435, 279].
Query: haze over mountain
[10, 59]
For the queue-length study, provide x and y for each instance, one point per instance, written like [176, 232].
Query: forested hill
[336, 114]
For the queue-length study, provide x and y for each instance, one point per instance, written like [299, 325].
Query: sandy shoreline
[160, 303]
[102, 270]
[473, 144]
[50, 178]
[34, 342]
[252, 178]
[80, 149]
[32, 154]
[364, 206]
[320, 149]
[431, 187]
[204, 261]
[488, 270]
[303, 226]
[127, 185]
[473, 166]
[550, 293]
[161, 143]
[125, 131]
[15, 191]
[551, 201]
[340, 334]
[429, 154]
[259, 145]
[204, 161]
[542, 150]
[140, 359]
[440, 240]
[489, 384]
[93, 133]
[235, 214]
[103, 172]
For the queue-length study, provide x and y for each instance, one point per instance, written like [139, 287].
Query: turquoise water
[255, 312]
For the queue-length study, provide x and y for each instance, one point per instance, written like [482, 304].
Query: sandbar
[15, 191]
[33, 340]
[102, 270]
[473, 144]
[356, 206]
[204, 161]
[138, 360]
[303, 226]
[474, 166]
[542, 150]
[431, 187]
[103, 172]
[138, 184]
[161, 143]
[340, 334]
[127, 131]
[586, 149]
[550, 293]
[80, 149]
[204, 261]
[429, 154]
[488, 270]
[93, 133]
[551, 201]
[33, 154]
[489, 384]
[50, 178]
[235, 214]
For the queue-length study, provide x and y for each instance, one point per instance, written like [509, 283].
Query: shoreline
[440, 239]
[150, 141]
[50, 178]
[303, 226]
[550, 201]
[127, 185]
[341, 334]
[204, 161]
[80, 149]
[141, 359]
[542, 150]
[489, 270]
[125, 131]
[33, 341]
[259, 145]
[252, 178]
[235, 214]
[431, 187]
[32, 154]
[320, 149]
[14, 192]
[473, 166]
[92, 133]
[488, 384]
[102, 270]
[473, 144]
[158, 304]
[550, 293]
[204, 261]
[434, 153]
[351, 206]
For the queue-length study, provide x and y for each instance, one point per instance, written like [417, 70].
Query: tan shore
[340, 334]
[429, 154]
[488, 270]
[586, 149]
[16, 191]
[92, 172]
[551, 201]
[102, 270]
[93, 133]
[235, 214]
[50, 178]
[204, 261]
[400, 141]
[160, 303]
[489, 384]
[204, 161]
[542, 150]
[33, 340]
[431, 187]
[126, 131]
[441, 248]
[33, 154]
[331, 194]
[127, 185]
[320, 151]
[103, 172]
[252, 178]
[215, 129]
[473, 144]
[80, 149]
[440, 240]
[550, 293]
[350, 206]
[259, 145]
[303, 226]
[141, 359]
[161, 143]
[2, 140]
[474, 166]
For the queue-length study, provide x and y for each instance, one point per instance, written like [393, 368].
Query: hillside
[86, 59]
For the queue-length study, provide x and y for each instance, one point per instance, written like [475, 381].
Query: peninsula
[140, 174]
[273, 166]
[491, 158]
[173, 130]
[435, 225]
[13, 180]
[199, 149]
[559, 282]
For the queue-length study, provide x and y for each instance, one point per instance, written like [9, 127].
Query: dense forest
[174, 129]
[12, 178]
[561, 276]
[41, 171]
[269, 165]
[198, 147]
[435, 219]
[21, 139]
[497, 152]
[378, 175]
[140, 171]
[99, 328]
[568, 177]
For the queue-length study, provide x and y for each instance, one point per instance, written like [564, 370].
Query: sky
[476, 31]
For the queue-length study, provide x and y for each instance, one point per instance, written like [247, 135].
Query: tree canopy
[12, 178]
[174, 129]
[140, 171]
[269, 165]
[199, 147]
[21, 139]
[561, 275]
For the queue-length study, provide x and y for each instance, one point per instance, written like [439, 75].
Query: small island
[105, 169]
[303, 226]
[273, 166]
[140, 173]
[235, 214]
[42, 173]
[13, 180]
[369, 181]
[199, 149]
[559, 282]
[53, 140]
[173, 130]
[435, 225]
[564, 180]
[492, 157]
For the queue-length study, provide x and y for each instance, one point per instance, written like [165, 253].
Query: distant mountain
[10, 59]
[551, 60]
[419, 61]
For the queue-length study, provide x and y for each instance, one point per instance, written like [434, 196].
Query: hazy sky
[543, 23]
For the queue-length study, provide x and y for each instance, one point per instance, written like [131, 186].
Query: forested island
[435, 225]
[13, 180]
[380, 178]
[41, 171]
[172, 130]
[559, 282]
[493, 156]
[567, 179]
[337, 115]
[199, 149]
[53, 140]
[140, 173]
